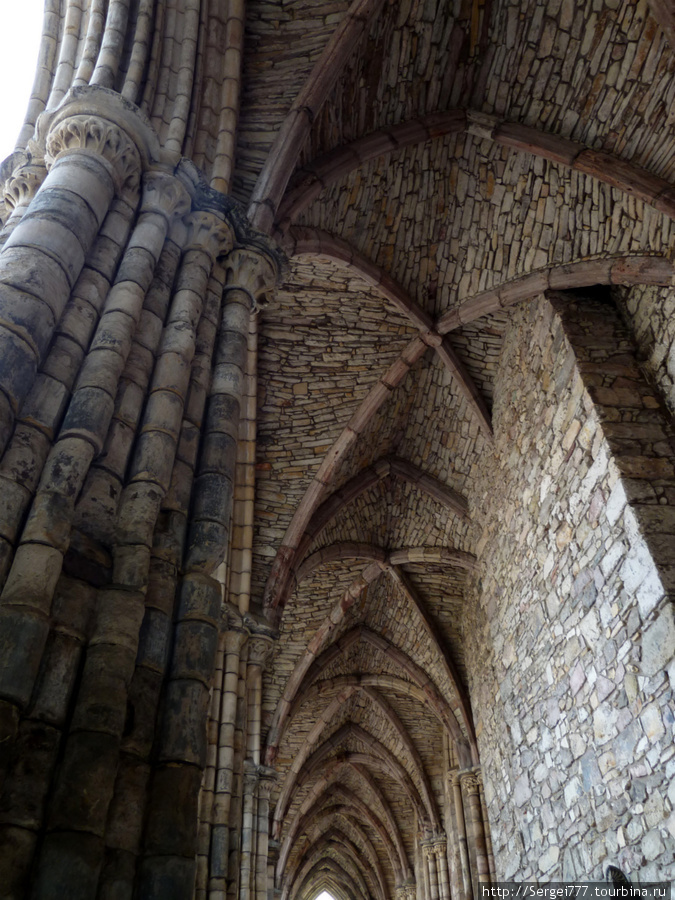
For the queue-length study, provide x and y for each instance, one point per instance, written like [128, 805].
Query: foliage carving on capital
[260, 649]
[163, 193]
[99, 137]
[471, 782]
[209, 233]
[252, 271]
[24, 182]
[455, 778]
[439, 845]
[427, 848]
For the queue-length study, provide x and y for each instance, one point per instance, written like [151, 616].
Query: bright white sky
[20, 29]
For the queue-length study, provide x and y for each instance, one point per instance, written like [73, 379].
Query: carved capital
[24, 183]
[164, 194]
[454, 778]
[427, 848]
[260, 649]
[208, 232]
[234, 639]
[267, 779]
[254, 272]
[471, 783]
[98, 137]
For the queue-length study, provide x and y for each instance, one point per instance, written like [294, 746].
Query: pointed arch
[281, 159]
[310, 667]
[312, 241]
[329, 788]
[302, 767]
[605, 167]
[297, 542]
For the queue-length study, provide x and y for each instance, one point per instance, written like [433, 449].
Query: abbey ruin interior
[337, 461]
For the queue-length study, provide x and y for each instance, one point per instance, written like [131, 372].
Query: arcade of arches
[337, 462]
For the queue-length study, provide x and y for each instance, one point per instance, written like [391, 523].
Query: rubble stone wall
[570, 633]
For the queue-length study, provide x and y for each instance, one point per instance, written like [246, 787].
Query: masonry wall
[650, 312]
[570, 634]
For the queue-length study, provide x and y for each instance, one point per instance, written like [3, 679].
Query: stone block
[26, 789]
[16, 860]
[658, 642]
[23, 635]
[194, 651]
[183, 736]
[85, 784]
[166, 878]
[69, 866]
[172, 820]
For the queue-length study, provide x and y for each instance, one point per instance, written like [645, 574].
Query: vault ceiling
[367, 423]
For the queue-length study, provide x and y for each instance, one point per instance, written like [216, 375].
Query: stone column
[440, 851]
[27, 595]
[221, 814]
[259, 650]
[426, 885]
[247, 830]
[486, 828]
[171, 828]
[471, 786]
[91, 158]
[236, 805]
[273, 848]
[430, 861]
[267, 780]
[461, 835]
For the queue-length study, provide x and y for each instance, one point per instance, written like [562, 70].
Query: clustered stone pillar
[253, 849]
[127, 291]
[471, 837]
[218, 848]
[234, 813]
[462, 888]
[435, 854]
